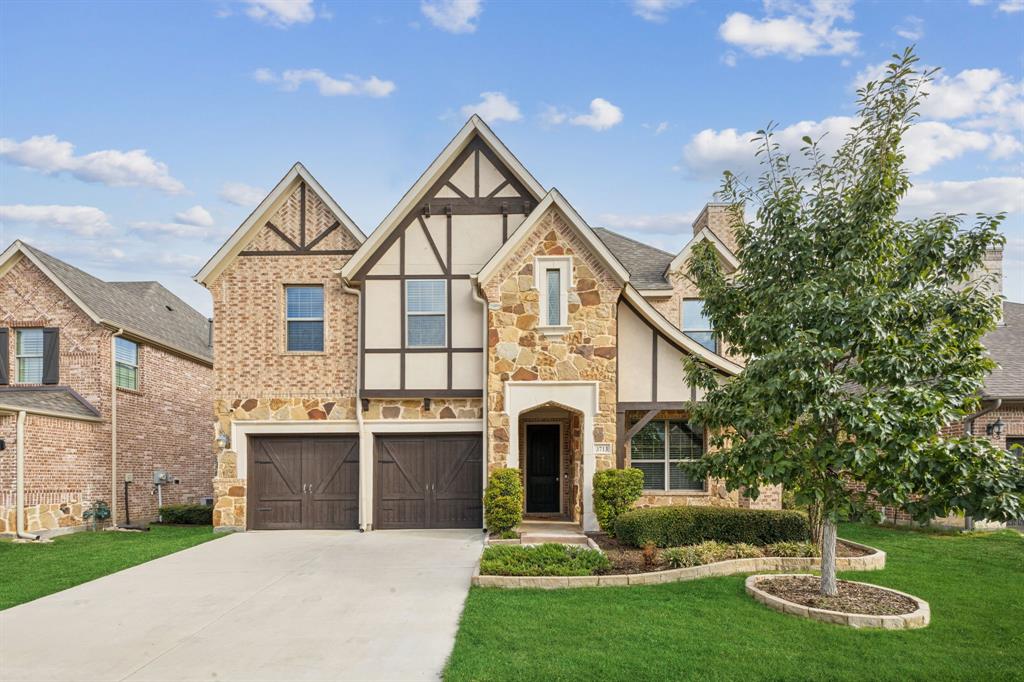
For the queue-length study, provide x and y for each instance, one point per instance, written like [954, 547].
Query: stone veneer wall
[518, 351]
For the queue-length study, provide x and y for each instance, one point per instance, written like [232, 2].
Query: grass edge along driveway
[32, 570]
[710, 629]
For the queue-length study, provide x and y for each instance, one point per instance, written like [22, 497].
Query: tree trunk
[828, 557]
[814, 518]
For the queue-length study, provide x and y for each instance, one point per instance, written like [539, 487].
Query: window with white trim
[659, 447]
[126, 363]
[426, 306]
[28, 355]
[696, 324]
[552, 276]
[304, 315]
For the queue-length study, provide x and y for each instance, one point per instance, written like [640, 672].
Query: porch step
[562, 538]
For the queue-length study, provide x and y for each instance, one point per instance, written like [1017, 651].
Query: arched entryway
[551, 462]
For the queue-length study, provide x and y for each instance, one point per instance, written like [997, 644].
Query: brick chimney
[719, 219]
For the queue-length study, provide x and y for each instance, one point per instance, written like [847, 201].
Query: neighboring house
[102, 382]
[374, 382]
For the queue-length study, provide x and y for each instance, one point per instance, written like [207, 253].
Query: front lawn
[32, 570]
[710, 629]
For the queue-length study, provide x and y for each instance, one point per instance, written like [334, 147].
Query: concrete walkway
[288, 605]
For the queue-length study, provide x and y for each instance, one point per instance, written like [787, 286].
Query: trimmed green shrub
[742, 550]
[187, 514]
[708, 553]
[615, 491]
[546, 559]
[677, 526]
[503, 501]
[792, 549]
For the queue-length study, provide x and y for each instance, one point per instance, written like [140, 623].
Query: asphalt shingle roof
[1005, 344]
[146, 308]
[646, 264]
[58, 400]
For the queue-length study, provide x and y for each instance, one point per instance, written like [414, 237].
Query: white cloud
[603, 115]
[553, 116]
[175, 229]
[327, 86]
[656, 10]
[986, 195]
[493, 106]
[454, 16]
[280, 13]
[729, 58]
[1008, 6]
[912, 28]
[84, 221]
[197, 215]
[926, 145]
[133, 168]
[793, 29]
[241, 194]
[647, 223]
[658, 128]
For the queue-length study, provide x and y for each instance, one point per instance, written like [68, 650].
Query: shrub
[742, 550]
[709, 552]
[681, 557]
[615, 491]
[546, 559]
[792, 549]
[187, 514]
[503, 501]
[677, 526]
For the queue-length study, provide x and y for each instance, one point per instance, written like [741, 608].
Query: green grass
[710, 629]
[32, 570]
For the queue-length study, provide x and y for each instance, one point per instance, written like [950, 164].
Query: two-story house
[101, 385]
[373, 382]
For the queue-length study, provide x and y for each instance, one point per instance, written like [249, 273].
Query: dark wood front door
[303, 482]
[428, 481]
[543, 479]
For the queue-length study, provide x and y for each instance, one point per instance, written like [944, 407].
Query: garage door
[303, 482]
[428, 481]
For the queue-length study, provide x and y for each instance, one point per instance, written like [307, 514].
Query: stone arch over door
[576, 396]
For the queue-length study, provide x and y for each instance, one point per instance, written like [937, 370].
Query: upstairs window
[659, 447]
[305, 318]
[697, 326]
[425, 313]
[552, 278]
[28, 355]
[553, 281]
[126, 367]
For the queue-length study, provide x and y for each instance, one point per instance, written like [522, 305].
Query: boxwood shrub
[615, 491]
[675, 526]
[188, 514]
[546, 559]
[503, 501]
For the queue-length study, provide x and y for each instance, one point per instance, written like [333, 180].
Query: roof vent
[169, 308]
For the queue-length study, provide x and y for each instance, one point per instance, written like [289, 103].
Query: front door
[543, 480]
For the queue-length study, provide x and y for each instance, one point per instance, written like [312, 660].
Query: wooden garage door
[428, 481]
[303, 482]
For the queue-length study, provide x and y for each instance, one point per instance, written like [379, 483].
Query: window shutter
[5, 375]
[51, 355]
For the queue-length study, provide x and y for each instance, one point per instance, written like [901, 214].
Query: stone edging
[869, 562]
[916, 619]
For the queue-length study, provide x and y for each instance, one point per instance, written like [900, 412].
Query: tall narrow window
[697, 326]
[425, 313]
[659, 447]
[126, 359]
[305, 318]
[28, 354]
[553, 280]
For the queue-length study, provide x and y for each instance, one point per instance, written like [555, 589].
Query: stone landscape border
[874, 561]
[916, 619]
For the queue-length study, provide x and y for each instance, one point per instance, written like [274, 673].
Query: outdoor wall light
[223, 441]
[996, 428]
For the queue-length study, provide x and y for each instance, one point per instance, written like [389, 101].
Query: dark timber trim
[276, 230]
[304, 247]
[323, 234]
[433, 247]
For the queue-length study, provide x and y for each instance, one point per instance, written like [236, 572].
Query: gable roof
[474, 127]
[50, 401]
[145, 310]
[236, 242]
[554, 198]
[646, 265]
[704, 235]
[1005, 345]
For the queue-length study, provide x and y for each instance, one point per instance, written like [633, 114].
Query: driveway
[286, 605]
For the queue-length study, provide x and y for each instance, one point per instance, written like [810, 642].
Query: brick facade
[68, 462]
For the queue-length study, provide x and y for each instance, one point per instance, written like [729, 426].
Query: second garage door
[428, 481]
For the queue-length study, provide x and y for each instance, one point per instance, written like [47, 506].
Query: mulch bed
[852, 597]
[628, 559]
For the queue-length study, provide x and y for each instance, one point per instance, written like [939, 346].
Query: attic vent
[169, 308]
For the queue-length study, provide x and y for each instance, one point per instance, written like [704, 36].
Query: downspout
[475, 292]
[113, 426]
[359, 361]
[969, 520]
[19, 495]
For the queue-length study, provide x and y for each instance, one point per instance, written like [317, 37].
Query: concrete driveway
[287, 605]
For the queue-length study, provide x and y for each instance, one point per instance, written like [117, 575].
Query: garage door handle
[264, 509]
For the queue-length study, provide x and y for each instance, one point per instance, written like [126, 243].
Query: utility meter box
[129, 477]
[161, 477]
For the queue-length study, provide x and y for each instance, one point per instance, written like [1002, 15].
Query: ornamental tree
[861, 333]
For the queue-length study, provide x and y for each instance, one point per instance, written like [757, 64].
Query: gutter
[19, 496]
[345, 286]
[113, 425]
[475, 292]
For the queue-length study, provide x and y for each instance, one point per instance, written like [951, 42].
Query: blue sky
[134, 137]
